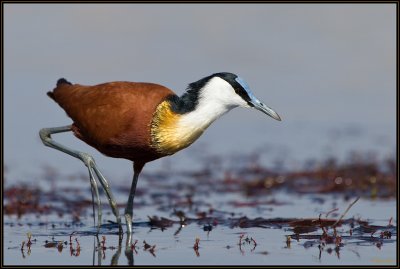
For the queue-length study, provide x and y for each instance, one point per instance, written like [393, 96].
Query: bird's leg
[109, 194]
[129, 206]
[137, 168]
[95, 190]
[45, 135]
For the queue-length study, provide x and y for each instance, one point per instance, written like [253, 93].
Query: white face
[218, 91]
[216, 99]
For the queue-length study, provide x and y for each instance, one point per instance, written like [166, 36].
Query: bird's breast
[169, 131]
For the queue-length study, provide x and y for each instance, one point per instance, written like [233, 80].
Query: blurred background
[327, 69]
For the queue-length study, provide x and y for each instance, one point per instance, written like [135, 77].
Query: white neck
[215, 99]
[172, 131]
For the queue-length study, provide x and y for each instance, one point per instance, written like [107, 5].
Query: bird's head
[230, 90]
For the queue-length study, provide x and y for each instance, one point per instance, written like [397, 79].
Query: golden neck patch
[168, 134]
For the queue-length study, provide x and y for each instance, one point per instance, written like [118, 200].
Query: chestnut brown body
[115, 117]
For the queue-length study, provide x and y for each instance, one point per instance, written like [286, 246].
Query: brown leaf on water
[162, 222]
[312, 222]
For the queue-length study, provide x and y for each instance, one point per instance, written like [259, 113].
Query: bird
[142, 122]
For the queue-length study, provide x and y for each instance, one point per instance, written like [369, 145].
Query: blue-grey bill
[256, 103]
[267, 110]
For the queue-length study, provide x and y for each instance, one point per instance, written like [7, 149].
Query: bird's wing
[111, 113]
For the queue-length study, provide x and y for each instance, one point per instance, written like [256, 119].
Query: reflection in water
[327, 240]
[128, 249]
[246, 241]
[28, 251]
[100, 248]
[196, 246]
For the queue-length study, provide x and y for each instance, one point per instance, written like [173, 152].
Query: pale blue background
[327, 69]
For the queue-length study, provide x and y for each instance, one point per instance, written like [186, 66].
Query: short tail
[59, 82]
[63, 81]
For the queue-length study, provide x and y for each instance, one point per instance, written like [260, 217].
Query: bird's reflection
[128, 249]
[100, 248]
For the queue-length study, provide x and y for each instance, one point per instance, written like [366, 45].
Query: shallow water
[247, 215]
[175, 244]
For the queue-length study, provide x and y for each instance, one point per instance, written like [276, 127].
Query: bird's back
[113, 117]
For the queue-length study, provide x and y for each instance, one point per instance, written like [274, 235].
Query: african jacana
[142, 122]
